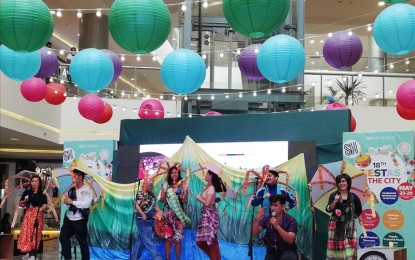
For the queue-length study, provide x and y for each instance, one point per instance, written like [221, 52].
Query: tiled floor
[48, 256]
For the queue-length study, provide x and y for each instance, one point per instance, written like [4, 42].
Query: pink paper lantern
[408, 114]
[55, 95]
[106, 115]
[336, 106]
[33, 89]
[213, 113]
[406, 94]
[91, 107]
[151, 108]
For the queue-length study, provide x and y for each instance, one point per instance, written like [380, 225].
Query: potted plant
[348, 88]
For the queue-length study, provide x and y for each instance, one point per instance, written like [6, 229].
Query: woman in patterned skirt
[345, 207]
[32, 225]
[207, 231]
[173, 227]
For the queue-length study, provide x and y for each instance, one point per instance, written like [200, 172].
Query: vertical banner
[387, 161]
[97, 154]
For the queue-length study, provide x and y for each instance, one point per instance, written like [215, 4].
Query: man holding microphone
[280, 228]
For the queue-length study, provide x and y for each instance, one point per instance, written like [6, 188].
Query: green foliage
[348, 88]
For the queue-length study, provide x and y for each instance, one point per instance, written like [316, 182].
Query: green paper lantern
[255, 18]
[25, 25]
[139, 26]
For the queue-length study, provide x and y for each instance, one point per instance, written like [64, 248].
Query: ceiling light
[407, 62]
[268, 91]
[204, 56]
[212, 97]
[369, 28]
[184, 8]
[154, 58]
[199, 98]
[254, 94]
[205, 4]
[98, 13]
[122, 57]
[79, 14]
[185, 97]
[330, 34]
[59, 13]
[61, 52]
[381, 3]
[138, 58]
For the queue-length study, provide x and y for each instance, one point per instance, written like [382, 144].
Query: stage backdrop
[325, 128]
[387, 160]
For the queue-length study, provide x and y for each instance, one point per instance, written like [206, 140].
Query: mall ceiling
[321, 17]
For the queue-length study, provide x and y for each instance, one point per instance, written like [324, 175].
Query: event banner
[97, 154]
[387, 161]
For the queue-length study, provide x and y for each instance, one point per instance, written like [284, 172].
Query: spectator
[6, 226]
[70, 55]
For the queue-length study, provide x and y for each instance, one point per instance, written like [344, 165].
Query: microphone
[273, 214]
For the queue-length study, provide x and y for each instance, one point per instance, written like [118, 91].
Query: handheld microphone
[273, 214]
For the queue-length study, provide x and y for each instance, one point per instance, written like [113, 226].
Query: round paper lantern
[352, 123]
[247, 62]
[408, 114]
[139, 26]
[33, 89]
[48, 63]
[116, 62]
[17, 65]
[183, 71]
[395, 1]
[342, 50]
[91, 70]
[106, 115]
[151, 108]
[281, 58]
[213, 113]
[257, 18]
[55, 95]
[91, 107]
[25, 25]
[405, 95]
[394, 29]
[336, 106]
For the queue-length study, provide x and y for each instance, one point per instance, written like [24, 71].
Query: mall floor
[46, 256]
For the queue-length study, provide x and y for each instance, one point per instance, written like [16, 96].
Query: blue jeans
[145, 238]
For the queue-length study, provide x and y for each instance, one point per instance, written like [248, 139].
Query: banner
[387, 161]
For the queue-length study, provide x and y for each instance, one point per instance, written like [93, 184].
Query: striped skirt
[209, 224]
[341, 250]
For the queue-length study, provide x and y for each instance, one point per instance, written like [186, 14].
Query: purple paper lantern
[248, 63]
[116, 61]
[342, 50]
[48, 63]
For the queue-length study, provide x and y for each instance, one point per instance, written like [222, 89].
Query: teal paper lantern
[183, 71]
[394, 29]
[17, 65]
[139, 26]
[25, 25]
[91, 70]
[281, 58]
[255, 18]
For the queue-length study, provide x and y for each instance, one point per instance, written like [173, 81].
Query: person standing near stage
[76, 217]
[6, 226]
[35, 203]
[280, 228]
[271, 188]
[345, 207]
[145, 205]
[207, 231]
[172, 191]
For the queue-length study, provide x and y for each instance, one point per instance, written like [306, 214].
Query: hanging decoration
[25, 25]
[183, 71]
[281, 58]
[106, 115]
[17, 65]
[91, 107]
[151, 108]
[48, 63]
[55, 94]
[213, 113]
[407, 114]
[116, 62]
[33, 89]
[257, 18]
[340, 106]
[247, 63]
[343, 50]
[91, 70]
[394, 29]
[139, 26]
[405, 95]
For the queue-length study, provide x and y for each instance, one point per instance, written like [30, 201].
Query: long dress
[29, 238]
[342, 241]
[173, 226]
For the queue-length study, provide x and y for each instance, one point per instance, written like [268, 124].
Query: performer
[174, 196]
[281, 230]
[76, 217]
[345, 207]
[271, 188]
[207, 231]
[145, 205]
[32, 226]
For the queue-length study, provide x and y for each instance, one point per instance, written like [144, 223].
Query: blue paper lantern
[281, 58]
[17, 65]
[91, 70]
[183, 71]
[394, 29]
